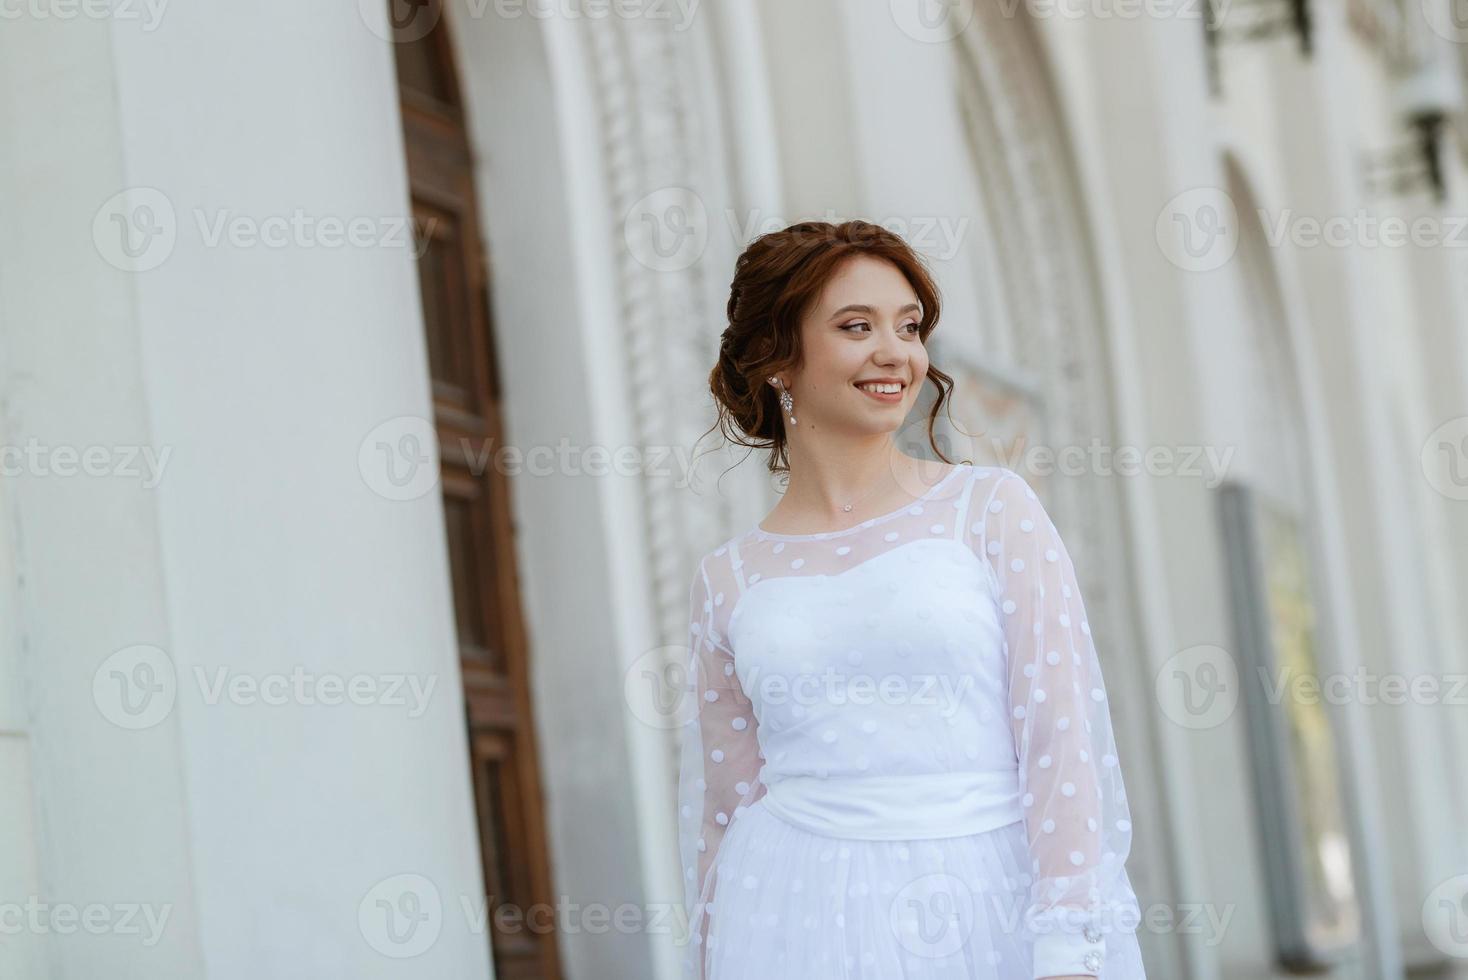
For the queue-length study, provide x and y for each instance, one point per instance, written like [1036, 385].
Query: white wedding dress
[900, 762]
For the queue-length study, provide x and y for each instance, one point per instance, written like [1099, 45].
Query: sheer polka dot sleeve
[1075, 810]
[719, 757]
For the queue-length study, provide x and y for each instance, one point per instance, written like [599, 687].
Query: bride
[901, 763]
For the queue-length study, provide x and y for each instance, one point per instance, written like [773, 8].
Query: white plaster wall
[264, 550]
[22, 953]
[1329, 110]
[100, 815]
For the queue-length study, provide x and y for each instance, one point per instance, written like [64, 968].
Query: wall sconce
[1251, 20]
[1412, 165]
[1428, 95]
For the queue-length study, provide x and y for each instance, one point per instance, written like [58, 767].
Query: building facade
[354, 377]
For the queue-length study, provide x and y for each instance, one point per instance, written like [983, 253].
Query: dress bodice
[927, 672]
[873, 652]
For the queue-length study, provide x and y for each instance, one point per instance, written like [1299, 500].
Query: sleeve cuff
[1059, 953]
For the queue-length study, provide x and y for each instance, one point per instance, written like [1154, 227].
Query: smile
[882, 392]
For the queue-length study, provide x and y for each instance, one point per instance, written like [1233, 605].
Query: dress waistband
[903, 807]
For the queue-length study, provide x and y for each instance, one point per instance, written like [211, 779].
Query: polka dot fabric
[900, 761]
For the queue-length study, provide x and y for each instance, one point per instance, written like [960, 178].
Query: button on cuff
[1059, 953]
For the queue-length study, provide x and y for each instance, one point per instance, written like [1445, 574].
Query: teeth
[890, 389]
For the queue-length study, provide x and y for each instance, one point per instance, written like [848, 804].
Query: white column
[263, 554]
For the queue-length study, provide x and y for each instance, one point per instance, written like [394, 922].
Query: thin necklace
[847, 507]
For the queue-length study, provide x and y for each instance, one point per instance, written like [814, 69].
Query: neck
[825, 482]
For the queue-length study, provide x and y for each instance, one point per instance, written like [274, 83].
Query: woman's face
[863, 327]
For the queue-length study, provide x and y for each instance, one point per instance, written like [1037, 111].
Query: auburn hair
[777, 279]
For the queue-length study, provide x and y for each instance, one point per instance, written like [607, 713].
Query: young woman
[901, 763]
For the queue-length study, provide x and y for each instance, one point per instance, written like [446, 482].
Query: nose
[890, 350]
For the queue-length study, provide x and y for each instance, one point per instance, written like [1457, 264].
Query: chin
[883, 424]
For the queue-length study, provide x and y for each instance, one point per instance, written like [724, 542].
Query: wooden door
[454, 275]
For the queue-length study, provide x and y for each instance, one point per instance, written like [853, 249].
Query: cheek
[919, 366]
[837, 367]
[828, 365]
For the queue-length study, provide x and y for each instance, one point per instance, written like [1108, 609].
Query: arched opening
[1036, 375]
[1302, 800]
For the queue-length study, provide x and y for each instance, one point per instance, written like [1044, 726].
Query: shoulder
[1001, 482]
[722, 552]
[1004, 495]
[716, 564]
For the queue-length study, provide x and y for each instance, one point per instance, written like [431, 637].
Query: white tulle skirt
[790, 904]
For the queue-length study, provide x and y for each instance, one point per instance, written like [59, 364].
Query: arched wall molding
[1052, 344]
[1292, 346]
[1285, 468]
[656, 134]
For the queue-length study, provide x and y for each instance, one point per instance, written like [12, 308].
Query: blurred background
[353, 360]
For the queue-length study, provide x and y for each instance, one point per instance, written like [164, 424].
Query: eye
[914, 327]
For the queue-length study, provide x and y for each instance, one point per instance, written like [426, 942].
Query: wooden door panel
[453, 276]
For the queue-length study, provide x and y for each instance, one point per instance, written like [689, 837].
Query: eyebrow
[864, 308]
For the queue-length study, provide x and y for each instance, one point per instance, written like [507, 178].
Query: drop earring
[786, 401]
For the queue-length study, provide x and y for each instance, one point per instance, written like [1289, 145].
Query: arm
[719, 761]
[1075, 812]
